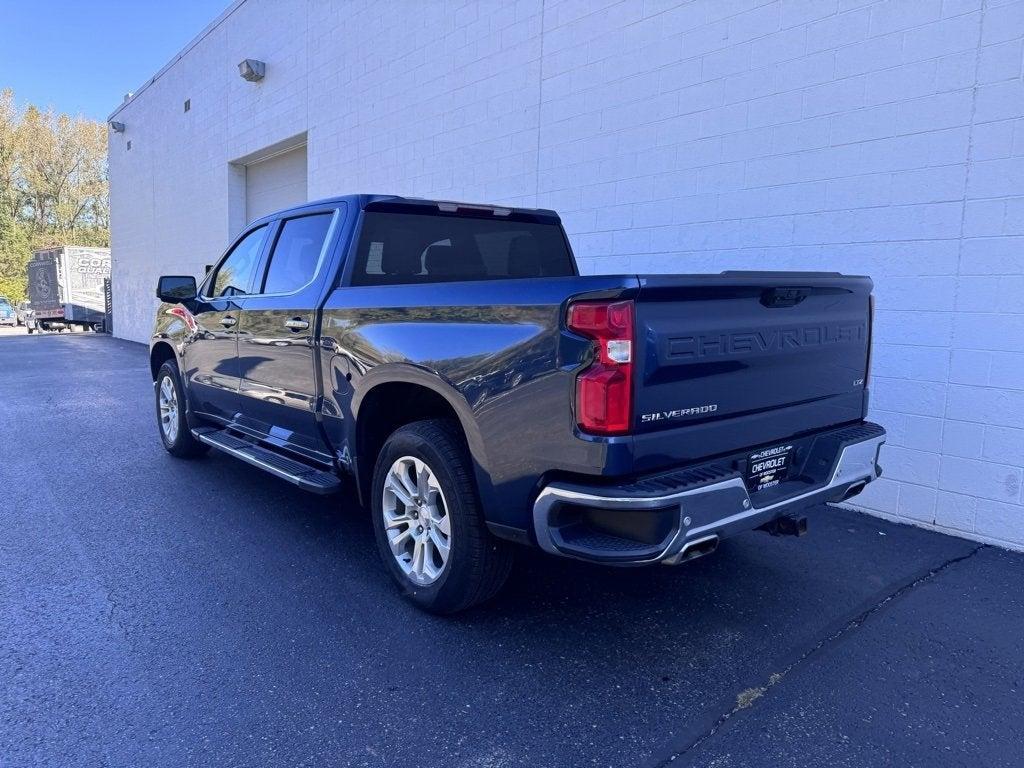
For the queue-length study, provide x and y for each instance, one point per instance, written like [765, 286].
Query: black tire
[30, 329]
[178, 442]
[478, 563]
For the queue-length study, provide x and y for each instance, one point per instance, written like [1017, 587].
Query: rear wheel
[170, 414]
[428, 523]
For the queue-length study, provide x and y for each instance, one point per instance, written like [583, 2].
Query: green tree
[15, 251]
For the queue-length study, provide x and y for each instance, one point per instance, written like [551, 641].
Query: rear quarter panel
[494, 349]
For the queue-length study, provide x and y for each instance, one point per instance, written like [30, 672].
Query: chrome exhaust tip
[693, 550]
[853, 490]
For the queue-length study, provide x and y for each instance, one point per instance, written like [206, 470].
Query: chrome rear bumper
[699, 515]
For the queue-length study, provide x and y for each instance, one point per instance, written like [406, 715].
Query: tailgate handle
[784, 297]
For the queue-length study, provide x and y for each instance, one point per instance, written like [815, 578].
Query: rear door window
[397, 248]
[297, 253]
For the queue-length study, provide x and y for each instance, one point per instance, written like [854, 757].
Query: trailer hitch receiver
[786, 526]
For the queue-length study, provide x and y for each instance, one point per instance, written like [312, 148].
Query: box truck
[65, 288]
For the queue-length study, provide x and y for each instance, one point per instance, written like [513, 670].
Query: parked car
[7, 313]
[23, 312]
[482, 393]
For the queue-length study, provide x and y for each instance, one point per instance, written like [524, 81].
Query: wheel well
[162, 352]
[387, 407]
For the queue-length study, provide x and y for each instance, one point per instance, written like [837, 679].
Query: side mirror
[176, 288]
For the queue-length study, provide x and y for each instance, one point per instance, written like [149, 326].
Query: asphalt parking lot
[158, 612]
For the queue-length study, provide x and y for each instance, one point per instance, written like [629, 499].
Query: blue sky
[82, 56]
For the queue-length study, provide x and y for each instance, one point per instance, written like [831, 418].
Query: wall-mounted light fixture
[252, 70]
[116, 127]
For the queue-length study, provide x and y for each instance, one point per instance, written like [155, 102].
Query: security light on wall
[116, 127]
[252, 70]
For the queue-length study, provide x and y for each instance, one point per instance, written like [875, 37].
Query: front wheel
[429, 527]
[170, 415]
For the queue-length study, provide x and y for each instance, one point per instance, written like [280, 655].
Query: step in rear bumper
[698, 513]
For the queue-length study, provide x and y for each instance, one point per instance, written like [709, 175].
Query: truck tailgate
[742, 359]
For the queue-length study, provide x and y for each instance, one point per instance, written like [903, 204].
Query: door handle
[228, 321]
[296, 324]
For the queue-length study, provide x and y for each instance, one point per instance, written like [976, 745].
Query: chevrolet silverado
[482, 393]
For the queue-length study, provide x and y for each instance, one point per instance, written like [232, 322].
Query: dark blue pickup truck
[482, 393]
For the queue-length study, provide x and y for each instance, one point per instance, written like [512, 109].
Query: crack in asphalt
[747, 699]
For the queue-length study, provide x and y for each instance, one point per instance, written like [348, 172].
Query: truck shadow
[545, 591]
[751, 581]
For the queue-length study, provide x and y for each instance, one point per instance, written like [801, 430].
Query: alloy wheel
[416, 520]
[168, 400]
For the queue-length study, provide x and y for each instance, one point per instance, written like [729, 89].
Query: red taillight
[604, 391]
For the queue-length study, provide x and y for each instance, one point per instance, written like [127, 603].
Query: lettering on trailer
[98, 266]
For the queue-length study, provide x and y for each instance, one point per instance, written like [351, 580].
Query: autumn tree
[10, 201]
[53, 186]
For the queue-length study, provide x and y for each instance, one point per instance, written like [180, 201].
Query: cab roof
[398, 204]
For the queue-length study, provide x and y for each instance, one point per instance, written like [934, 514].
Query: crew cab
[483, 394]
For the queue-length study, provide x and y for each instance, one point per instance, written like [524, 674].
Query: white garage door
[275, 183]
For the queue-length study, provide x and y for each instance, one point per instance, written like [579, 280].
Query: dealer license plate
[768, 467]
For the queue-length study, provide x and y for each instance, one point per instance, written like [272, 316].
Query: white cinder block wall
[882, 138]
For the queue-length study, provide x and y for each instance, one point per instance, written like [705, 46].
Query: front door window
[234, 275]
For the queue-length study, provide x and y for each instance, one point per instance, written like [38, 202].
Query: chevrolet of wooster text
[483, 394]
